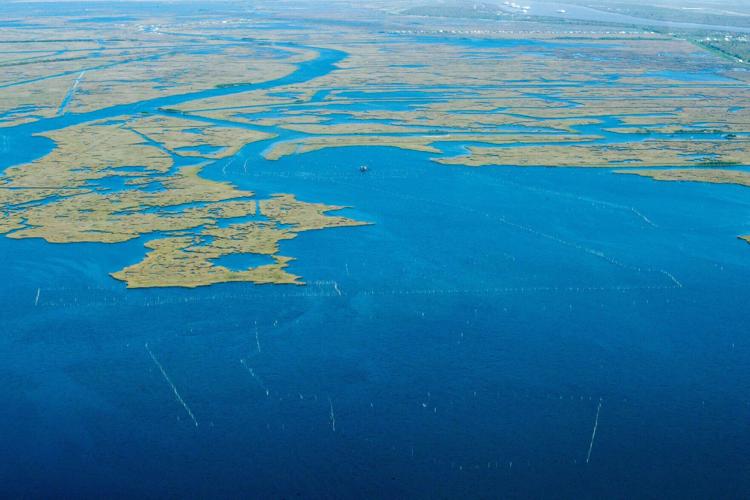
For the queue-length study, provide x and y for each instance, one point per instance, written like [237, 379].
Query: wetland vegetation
[382, 249]
[177, 99]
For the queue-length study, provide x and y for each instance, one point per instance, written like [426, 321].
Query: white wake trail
[256, 377]
[593, 433]
[174, 389]
[331, 415]
[257, 339]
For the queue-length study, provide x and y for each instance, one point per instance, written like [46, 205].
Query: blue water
[241, 262]
[685, 76]
[204, 149]
[104, 19]
[458, 346]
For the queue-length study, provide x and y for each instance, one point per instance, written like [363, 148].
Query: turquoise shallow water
[460, 345]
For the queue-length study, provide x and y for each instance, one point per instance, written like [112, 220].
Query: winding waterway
[476, 338]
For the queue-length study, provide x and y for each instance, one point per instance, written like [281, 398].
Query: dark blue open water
[459, 346]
